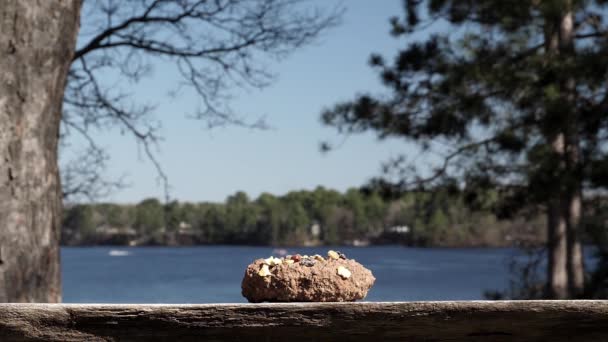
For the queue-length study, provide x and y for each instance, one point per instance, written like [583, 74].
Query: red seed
[296, 258]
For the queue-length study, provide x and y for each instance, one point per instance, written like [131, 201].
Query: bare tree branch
[215, 45]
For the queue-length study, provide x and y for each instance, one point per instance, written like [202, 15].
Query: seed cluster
[304, 260]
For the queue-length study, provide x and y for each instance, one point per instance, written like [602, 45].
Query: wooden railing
[409, 321]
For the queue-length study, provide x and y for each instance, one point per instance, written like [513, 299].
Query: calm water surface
[214, 274]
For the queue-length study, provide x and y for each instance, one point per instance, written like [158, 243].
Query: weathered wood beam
[410, 321]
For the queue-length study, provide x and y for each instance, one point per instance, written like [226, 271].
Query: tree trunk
[573, 194]
[576, 264]
[566, 264]
[558, 277]
[37, 39]
[557, 252]
[556, 239]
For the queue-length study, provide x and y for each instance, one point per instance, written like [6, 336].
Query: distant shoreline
[287, 247]
[317, 217]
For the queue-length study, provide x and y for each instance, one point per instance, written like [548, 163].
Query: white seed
[343, 272]
[272, 261]
[264, 271]
[333, 254]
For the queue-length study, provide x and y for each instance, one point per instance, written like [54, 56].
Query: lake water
[213, 274]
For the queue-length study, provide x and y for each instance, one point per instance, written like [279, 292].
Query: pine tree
[514, 94]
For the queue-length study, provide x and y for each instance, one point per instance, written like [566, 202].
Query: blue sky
[208, 165]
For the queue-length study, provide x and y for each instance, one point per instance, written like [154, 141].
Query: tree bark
[566, 262]
[557, 275]
[576, 264]
[37, 40]
[573, 193]
[557, 239]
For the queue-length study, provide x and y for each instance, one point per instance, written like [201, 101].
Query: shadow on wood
[411, 321]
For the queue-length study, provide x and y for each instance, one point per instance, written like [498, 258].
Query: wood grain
[409, 321]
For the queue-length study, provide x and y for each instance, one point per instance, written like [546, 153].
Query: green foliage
[79, 222]
[490, 88]
[173, 215]
[149, 217]
[511, 95]
[436, 218]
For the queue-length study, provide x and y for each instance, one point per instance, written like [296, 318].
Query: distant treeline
[322, 216]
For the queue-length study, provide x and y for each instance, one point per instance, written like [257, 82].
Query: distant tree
[189, 213]
[375, 210]
[296, 223]
[213, 223]
[354, 201]
[270, 218]
[239, 219]
[149, 217]
[323, 203]
[173, 215]
[339, 225]
[112, 215]
[80, 220]
[513, 96]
